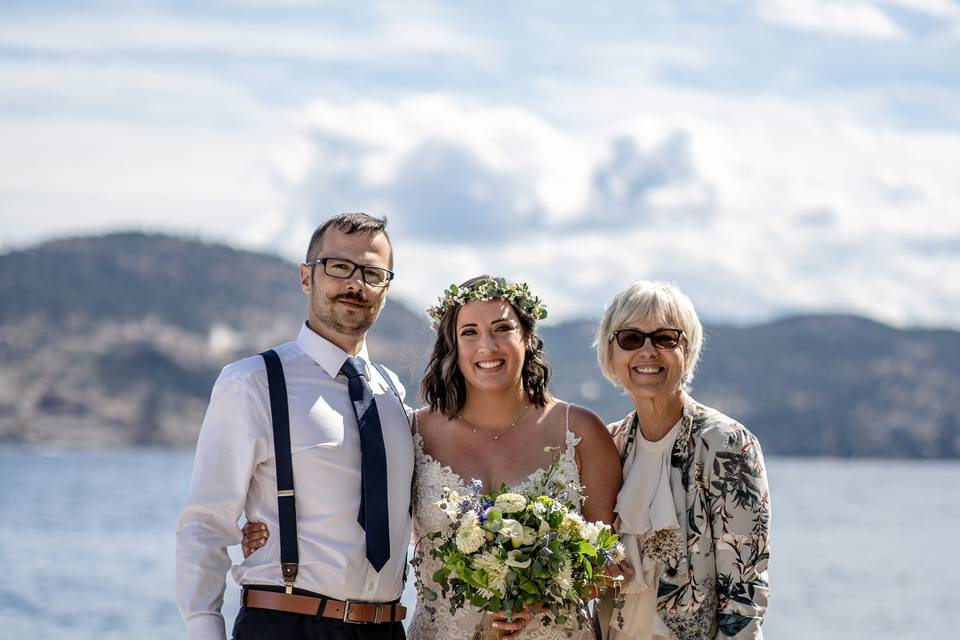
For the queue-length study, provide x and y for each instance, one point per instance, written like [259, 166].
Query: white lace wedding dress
[430, 477]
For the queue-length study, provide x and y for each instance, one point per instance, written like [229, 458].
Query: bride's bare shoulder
[583, 422]
[429, 423]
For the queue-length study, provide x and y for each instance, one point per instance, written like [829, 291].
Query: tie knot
[353, 367]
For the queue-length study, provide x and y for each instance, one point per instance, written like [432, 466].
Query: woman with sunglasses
[693, 511]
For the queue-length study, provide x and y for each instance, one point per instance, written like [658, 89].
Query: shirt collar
[329, 356]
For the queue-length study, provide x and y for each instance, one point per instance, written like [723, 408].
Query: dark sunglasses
[632, 339]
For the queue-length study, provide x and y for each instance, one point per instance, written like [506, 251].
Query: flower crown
[488, 289]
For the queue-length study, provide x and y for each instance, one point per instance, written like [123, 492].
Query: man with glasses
[332, 485]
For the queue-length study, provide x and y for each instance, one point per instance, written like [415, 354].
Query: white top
[645, 501]
[234, 473]
[644, 506]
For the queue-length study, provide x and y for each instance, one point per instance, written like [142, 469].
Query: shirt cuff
[206, 627]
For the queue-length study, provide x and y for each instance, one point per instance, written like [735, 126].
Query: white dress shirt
[234, 473]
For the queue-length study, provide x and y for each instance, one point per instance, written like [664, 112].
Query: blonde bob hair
[661, 303]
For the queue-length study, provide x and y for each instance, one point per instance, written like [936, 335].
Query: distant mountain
[117, 339]
[812, 385]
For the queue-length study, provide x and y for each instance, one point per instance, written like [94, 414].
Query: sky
[770, 157]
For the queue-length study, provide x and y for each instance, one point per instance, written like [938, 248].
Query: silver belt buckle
[377, 613]
[346, 613]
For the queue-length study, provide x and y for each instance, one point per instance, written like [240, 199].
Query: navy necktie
[374, 514]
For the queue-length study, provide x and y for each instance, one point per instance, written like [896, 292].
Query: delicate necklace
[495, 436]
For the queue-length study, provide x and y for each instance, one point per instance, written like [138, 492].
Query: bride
[490, 417]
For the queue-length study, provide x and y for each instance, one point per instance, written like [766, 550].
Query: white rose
[495, 569]
[575, 518]
[470, 538]
[571, 525]
[590, 531]
[511, 502]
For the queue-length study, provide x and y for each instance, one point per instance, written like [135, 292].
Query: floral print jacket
[718, 587]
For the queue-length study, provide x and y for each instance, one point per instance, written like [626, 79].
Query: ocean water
[860, 549]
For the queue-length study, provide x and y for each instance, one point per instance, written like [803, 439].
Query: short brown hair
[349, 223]
[444, 388]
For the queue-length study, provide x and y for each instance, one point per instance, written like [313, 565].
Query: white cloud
[68, 176]
[790, 194]
[755, 170]
[936, 8]
[837, 17]
[554, 165]
[155, 33]
[605, 157]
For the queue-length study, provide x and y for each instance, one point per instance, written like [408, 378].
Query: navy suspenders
[286, 504]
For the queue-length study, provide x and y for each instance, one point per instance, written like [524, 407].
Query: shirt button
[370, 586]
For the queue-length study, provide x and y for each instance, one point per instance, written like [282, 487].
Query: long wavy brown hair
[444, 388]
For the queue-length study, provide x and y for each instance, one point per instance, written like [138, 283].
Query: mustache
[353, 296]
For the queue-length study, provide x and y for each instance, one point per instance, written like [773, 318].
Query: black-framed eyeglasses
[663, 338]
[342, 268]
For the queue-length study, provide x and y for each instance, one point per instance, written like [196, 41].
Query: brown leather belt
[347, 611]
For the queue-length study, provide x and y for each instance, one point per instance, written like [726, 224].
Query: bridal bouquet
[504, 551]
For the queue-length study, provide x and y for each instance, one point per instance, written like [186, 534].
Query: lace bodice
[430, 477]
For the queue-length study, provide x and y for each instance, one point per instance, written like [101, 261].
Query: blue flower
[481, 513]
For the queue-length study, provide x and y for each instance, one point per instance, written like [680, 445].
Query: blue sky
[769, 157]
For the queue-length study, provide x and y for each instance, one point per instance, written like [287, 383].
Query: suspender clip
[289, 570]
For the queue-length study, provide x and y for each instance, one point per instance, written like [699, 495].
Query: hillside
[814, 385]
[117, 339]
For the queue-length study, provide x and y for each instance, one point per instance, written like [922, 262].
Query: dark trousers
[264, 624]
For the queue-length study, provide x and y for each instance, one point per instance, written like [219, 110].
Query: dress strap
[569, 438]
